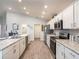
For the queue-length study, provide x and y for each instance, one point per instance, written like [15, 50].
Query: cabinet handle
[62, 53]
[64, 56]
[14, 51]
[72, 54]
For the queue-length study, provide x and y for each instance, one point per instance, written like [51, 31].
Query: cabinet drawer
[10, 48]
[22, 46]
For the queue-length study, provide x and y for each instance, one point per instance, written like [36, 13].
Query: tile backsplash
[74, 33]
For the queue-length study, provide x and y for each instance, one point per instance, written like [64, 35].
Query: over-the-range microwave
[58, 25]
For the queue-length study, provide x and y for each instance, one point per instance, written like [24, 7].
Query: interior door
[37, 31]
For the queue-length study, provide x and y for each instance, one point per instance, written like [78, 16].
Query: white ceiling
[35, 7]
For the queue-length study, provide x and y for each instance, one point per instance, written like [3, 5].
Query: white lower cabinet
[22, 46]
[42, 36]
[14, 51]
[9, 55]
[63, 52]
[0, 54]
[11, 52]
[70, 54]
[59, 51]
[48, 41]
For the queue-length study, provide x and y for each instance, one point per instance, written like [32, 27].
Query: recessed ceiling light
[45, 6]
[10, 8]
[27, 13]
[43, 12]
[20, 0]
[24, 8]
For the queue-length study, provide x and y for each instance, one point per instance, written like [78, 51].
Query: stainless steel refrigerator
[46, 31]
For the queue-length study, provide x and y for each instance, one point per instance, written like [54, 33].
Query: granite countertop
[7, 42]
[74, 46]
[53, 35]
[24, 35]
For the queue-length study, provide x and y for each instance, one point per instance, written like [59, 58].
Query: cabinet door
[42, 36]
[51, 24]
[16, 51]
[0, 54]
[56, 19]
[59, 51]
[60, 16]
[13, 53]
[9, 55]
[70, 54]
[22, 45]
[76, 13]
[68, 17]
[48, 41]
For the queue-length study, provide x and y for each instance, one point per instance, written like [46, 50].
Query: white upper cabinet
[52, 24]
[59, 16]
[55, 19]
[68, 17]
[76, 13]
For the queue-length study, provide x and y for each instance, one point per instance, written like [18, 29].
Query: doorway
[37, 31]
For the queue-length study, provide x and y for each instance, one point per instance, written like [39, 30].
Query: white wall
[23, 19]
[3, 24]
[0, 24]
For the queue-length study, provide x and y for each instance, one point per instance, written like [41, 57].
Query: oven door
[53, 45]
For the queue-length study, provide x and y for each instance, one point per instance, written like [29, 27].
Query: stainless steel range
[53, 41]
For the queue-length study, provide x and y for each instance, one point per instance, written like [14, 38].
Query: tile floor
[37, 50]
